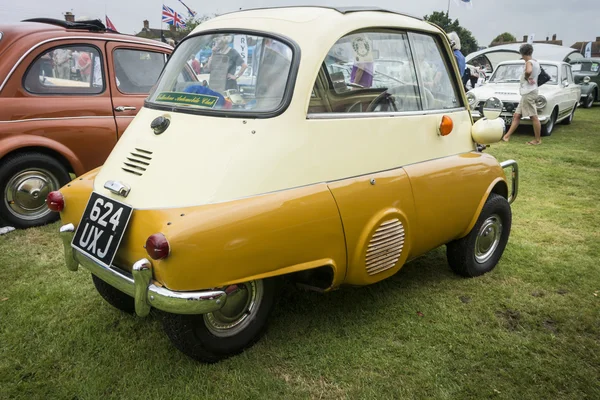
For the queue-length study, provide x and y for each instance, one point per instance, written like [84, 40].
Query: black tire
[569, 119]
[589, 100]
[548, 128]
[196, 337]
[464, 255]
[45, 175]
[113, 296]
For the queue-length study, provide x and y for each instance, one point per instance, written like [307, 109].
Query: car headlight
[472, 99]
[586, 79]
[540, 102]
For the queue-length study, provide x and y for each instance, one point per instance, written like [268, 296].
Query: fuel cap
[159, 125]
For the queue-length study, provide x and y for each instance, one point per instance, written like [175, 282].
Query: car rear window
[227, 73]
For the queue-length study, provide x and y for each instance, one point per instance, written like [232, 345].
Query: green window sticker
[595, 67]
[201, 100]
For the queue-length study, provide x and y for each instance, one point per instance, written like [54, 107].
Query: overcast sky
[571, 20]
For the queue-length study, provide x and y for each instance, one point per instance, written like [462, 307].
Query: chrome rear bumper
[515, 178]
[139, 284]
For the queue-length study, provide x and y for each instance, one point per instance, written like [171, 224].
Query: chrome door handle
[124, 108]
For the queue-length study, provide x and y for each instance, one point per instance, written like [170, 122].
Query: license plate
[508, 120]
[101, 228]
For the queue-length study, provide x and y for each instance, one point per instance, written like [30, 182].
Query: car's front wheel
[479, 251]
[549, 126]
[235, 327]
[26, 179]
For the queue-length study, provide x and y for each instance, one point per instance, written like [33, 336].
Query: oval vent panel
[385, 247]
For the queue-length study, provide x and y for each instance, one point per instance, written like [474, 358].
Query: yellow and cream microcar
[348, 151]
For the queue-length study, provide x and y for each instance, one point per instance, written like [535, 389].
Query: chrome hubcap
[488, 238]
[241, 305]
[25, 193]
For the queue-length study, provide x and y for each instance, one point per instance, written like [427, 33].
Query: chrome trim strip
[382, 114]
[326, 182]
[55, 119]
[158, 44]
[515, 178]
[139, 284]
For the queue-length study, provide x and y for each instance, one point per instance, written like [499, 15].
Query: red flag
[110, 25]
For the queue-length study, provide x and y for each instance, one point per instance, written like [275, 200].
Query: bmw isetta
[352, 152]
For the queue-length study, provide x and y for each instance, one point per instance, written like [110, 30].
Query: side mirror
[492, 108]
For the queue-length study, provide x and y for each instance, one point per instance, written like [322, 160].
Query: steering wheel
[386, 100]
[392, 98]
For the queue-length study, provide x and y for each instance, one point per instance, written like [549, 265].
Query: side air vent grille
[137, 162]
[385, 247]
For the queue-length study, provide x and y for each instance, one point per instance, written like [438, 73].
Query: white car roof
[543, 51]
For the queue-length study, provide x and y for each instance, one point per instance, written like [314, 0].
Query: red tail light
[157, 246]
[55, 201]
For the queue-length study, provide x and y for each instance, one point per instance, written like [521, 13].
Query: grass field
[528, 330]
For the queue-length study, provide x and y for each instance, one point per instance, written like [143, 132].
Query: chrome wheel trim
[25, 193]
[242, 303]
[488, 239]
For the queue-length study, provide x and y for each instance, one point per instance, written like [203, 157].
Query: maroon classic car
[68, 91]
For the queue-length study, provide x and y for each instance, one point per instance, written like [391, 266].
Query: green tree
[441, 19]
[504, 38]
[192, 22]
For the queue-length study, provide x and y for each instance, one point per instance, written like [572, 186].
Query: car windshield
[227, 72]
[586, 66]
[512, 73]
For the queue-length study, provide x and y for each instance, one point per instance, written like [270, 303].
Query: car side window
[137, 71]
[565, 76]
[435, 74]
[72, 69]
[570, 75]
[368, 72]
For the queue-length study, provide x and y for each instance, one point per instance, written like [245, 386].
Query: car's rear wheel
[479, 251]
[113, 296]
[569, 119]
[25, 181]
[549, 126]
[229, 331]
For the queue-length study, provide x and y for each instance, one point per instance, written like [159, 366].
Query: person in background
[528, 89]
[62, 63]
[195, 64]
[85, 66]
[234, 60]
[460, 58]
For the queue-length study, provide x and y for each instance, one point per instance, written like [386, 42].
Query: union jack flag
[171, 17]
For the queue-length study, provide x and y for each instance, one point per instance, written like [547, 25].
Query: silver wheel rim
[488, 239]
[25, 193]
[243, 301]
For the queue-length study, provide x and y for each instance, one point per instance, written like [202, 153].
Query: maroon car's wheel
[25, 181]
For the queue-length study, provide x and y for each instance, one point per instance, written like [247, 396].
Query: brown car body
[77, 130]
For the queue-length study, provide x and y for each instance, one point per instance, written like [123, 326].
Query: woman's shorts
[526, 106]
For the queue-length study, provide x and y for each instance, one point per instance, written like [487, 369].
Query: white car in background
[556, 102]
